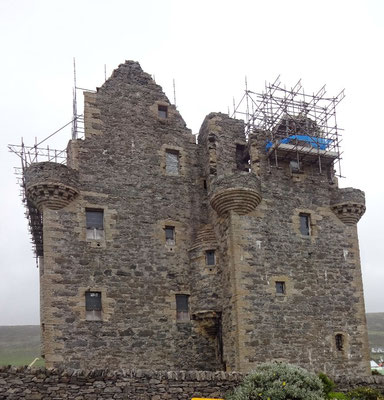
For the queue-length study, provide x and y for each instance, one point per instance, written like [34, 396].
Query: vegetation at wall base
[279, 381]
[337, 395]
[328, 384]
[363, 393]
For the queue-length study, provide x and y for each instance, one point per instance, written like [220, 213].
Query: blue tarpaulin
[315, 142]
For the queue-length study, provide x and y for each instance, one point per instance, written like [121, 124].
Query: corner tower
[290, 266]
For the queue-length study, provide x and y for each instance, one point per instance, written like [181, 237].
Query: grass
[20, 345]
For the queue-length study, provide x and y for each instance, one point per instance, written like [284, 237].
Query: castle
[158, 251]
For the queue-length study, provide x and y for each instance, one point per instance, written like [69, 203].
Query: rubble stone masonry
[220, 194]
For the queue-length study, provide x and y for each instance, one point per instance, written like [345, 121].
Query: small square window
[93, 306]
[172, 164]
[162, 111]
[305, 224]
[182, 307]
[280, 287]
[170, 235]
[94, 223]
[210, 258]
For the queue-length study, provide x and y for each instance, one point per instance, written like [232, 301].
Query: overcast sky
[208, 47]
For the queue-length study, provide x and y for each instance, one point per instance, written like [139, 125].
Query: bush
[328, 384]
[278, 381]
[337, 395]
[364, 393]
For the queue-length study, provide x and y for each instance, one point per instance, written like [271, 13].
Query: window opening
[170, 235]
[242, 158]
[339, 339]
[93, 306]
[210, 258]
[172, 164]
[94, 223]
[162, 111]
[294, 166]
[182, 307]
[305, 224]
[280, 287]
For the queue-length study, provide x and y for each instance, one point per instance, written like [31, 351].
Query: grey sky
[208, 47]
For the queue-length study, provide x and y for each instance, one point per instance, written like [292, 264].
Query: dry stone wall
[44, 384]
[41, 384]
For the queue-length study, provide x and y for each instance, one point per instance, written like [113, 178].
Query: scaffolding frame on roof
[287, 115]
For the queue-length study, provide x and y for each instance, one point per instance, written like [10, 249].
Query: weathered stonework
[221, 196]
[52, 384]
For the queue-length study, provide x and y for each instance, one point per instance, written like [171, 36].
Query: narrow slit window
[280, 287]
[94, 223]
[182, 307]
[339, 339]
[305, 224]
[93, 306]
[162, 112]
[170, 238]
[210, 258]
[172, 163]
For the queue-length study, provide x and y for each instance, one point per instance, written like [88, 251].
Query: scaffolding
[299, 126]
[33, 154]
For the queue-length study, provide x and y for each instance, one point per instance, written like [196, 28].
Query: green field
[20, 345]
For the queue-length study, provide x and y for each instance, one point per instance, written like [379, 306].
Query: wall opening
[339, 341]
[172, 162]
[182, 307]
[170, 236]
[94, 223]
[305, 224]
[93, 306]
[162, 111]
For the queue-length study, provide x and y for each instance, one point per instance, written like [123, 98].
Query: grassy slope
[20, 345]
[375, 323]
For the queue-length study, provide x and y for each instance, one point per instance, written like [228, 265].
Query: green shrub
[337, 395]
[328, 383]
[363, 393]
[278, 381]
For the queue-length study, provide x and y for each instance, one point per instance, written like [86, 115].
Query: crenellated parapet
[239, 192]
[51, 184]
[348, 204]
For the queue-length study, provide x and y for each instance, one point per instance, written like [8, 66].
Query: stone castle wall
[226, 197]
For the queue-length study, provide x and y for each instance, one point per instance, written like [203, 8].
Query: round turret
[238, 192]
[348, 204]
[51, 184]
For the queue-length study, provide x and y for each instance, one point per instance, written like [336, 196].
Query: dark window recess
[280, 287]
[305, 224]
[172, 164]
[162, 111]
[94, 223]
[182, 307]
[210, 258]
[242, 158]
[339, 339]
[93, 306]
[170, 235]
